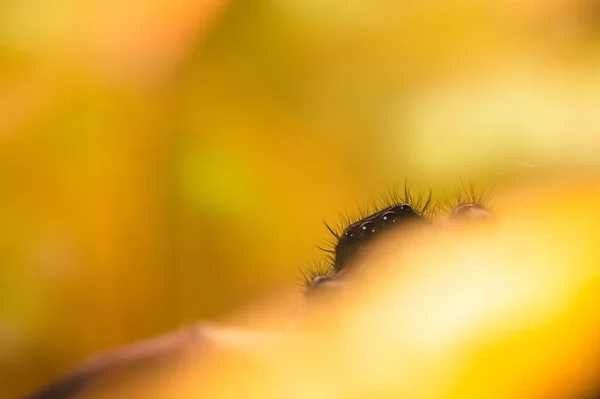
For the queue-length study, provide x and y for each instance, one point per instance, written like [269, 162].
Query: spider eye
[323, 286]
[403, 211]
[388, 218]
[319, 280]
[469, 212]
[367, 229]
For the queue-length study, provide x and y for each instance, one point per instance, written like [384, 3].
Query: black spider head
[356, 237]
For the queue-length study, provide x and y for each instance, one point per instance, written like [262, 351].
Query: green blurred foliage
[165, 161]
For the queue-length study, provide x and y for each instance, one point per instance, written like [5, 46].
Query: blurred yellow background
[167, 161]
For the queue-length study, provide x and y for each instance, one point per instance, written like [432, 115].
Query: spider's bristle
[335, 234]
[329, 251]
